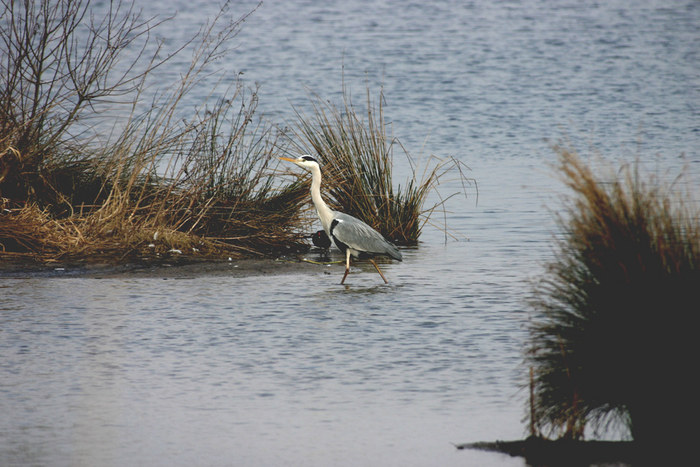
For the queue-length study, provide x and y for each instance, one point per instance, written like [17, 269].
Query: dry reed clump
[28, 231]
[158, 181]
[611, 340]
[35, 235]
[357, 155]
[162, 183]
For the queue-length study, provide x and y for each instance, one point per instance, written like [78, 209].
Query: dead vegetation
[167, 180]
[611, 334]
[357, 152]
[202, 185]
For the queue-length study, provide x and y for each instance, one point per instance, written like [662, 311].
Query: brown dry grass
[612, 336]
[203, 186]
[357, 153]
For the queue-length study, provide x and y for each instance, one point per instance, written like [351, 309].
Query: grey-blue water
[296, 370]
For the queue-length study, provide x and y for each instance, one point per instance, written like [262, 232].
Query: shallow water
[294, 369]
[266, 370]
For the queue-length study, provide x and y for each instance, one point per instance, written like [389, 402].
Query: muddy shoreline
[175, 268]
[539, 451]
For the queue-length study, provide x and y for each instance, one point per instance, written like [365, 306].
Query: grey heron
[351, 235]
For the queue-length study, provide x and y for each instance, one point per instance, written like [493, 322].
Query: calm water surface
[295, 369]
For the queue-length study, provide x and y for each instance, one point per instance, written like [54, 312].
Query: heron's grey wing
[361, 237]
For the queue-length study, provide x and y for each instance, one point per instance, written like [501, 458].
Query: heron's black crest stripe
[308, 158]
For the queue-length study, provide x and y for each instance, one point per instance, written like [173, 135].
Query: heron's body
[351, 235]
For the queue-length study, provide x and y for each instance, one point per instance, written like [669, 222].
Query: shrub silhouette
[611, 338]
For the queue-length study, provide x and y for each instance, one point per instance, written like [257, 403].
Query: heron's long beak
[288, 159]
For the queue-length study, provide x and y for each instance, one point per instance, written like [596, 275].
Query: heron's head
[304, 161]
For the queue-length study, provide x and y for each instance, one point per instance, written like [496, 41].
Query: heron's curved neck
[324, 212]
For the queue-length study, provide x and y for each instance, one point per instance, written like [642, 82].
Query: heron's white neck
[324, 212]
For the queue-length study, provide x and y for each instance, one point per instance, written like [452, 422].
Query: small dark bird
[321, 240]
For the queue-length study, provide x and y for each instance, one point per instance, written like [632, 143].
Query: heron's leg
[347, 265]
[379, 271]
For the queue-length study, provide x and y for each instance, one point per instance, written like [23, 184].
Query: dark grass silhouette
[612, 339]
[612, 333]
